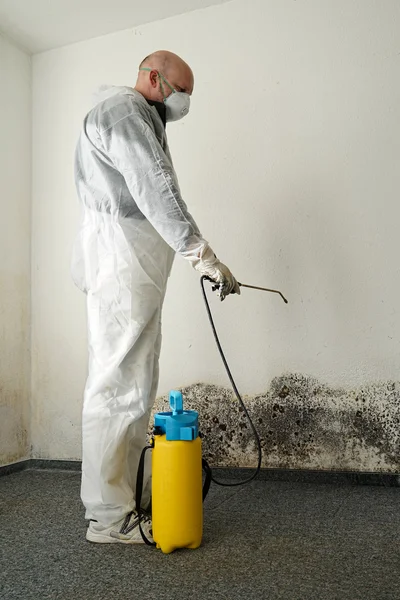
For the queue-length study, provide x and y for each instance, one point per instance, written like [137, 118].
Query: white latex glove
[209, 266]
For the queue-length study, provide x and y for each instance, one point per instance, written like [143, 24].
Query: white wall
[289, 161]
[15, 182]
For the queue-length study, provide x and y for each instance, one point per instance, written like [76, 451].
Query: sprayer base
[168, 549]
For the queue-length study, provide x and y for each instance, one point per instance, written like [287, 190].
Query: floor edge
[288, 475]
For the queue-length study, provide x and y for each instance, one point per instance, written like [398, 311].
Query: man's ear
[154, 78]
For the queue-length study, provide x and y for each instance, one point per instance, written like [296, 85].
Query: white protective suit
[134, 220]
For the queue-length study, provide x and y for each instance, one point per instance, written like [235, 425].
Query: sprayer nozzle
[254, 287]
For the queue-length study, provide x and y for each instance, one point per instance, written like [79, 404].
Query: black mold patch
[302, 423]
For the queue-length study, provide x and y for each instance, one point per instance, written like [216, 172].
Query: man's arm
[133, 147]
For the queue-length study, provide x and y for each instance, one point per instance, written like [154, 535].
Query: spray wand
[262, 289]
[219, 287]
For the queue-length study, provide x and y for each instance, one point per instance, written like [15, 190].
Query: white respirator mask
[178, 105]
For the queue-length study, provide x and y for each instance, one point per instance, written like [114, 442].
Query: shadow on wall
[302, 423]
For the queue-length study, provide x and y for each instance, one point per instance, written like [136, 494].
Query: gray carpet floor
[269, 540]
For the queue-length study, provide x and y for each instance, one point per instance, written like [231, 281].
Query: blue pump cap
[179, 424]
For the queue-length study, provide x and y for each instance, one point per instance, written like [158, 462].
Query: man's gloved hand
[209, 266]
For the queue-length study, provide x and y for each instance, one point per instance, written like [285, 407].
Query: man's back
[100, 185]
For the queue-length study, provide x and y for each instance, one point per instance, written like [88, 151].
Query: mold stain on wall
[302, 423]
[14, 435]
[14, 367]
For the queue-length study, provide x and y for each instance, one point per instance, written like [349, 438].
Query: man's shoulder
[122, 104]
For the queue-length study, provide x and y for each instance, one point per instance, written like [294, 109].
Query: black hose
[238, 396]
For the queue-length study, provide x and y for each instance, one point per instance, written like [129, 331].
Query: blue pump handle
[176, 402]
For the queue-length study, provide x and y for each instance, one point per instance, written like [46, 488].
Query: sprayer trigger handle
[176, 402]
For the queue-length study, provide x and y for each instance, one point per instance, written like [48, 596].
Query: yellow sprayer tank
[177, 507]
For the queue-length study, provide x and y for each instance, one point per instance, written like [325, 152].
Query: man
[134, 221]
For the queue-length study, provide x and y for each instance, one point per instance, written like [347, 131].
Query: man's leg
[138, 437]
[117, 405]
[129, 268]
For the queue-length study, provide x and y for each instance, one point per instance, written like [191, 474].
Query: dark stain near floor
[302, 423]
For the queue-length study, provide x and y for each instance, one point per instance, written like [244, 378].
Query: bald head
[172, 67]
